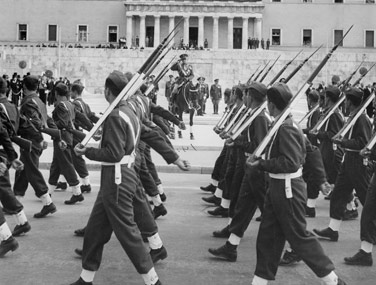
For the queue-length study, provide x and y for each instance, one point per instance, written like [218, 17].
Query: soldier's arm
[7, 144]
[165, 114]
[362, 132]
[31, 112]
[83, 121]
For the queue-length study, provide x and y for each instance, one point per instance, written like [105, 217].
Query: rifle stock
[53, 133]
[78, 134]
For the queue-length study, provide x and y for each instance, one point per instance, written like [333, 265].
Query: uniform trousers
[7, 198]
[146, 179]
[79, 162]
[229, 174]
[251, 195]
[313, 172]
[368, 218]
[332, 160]
[151, 166]
[30, 173]
[113, 212]
[216, 174]
[224, 167]
[215, 105]
[284, 219]
[62, 163]
[352, 175]
[236, 182]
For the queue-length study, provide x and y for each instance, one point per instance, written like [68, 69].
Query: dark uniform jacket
[215, 92]
[6, 143]
[185, 72]
[11, 114]
[168, 90]
[84, 108]
[311, 122]
[203, 91]
[359, 134]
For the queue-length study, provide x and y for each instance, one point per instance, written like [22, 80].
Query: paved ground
[46, 253]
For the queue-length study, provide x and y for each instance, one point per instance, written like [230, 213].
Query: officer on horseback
[186, 75]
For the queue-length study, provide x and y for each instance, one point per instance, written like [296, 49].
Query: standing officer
[113, 209]
[283, 217]
[168, 88]
[35, 117]
[353, 173]
[203, 94]
[215, 95]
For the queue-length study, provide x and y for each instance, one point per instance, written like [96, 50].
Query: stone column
[171, 25]
[142, 30]
[258, 30]
[230, 33]
[157, 30]
[129, 31]
[201, 31]
[245, 34]
[186, 30]
[215, 32]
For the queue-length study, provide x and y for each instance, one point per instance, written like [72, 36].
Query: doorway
[193, 37]
[149, 40]
[237, 38]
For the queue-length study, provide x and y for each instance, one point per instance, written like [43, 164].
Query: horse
[186, 100]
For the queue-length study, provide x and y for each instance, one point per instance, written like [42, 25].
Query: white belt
[126, 160]
[287, 177]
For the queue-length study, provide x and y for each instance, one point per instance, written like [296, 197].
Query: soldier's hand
[182, 126]
[17, 165]
[365, 152]
[62, 145]
[325, 188]
[44, 145]
[337, 141]
[79, 149]
[3, 168]
[253, 161]
[183, 164]
[229, 142]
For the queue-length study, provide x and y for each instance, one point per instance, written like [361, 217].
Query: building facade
[206, 24]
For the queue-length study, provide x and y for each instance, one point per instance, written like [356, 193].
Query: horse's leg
[180, 135]
[191, 114]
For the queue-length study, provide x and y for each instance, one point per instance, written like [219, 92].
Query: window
[52, 33]
[338, 34]
[82, 33]
[307, 37]
[338, 1]
[307, 1]
[276, 0]
[276, 37]
[112, 34]
[370, 39]
[22, 32]
[370, 1]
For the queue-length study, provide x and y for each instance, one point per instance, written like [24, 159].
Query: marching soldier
[312, 100]
[353, 173]
[168, 88]
[286, 195]
[203, 94]
[35, 119]
[113, 209]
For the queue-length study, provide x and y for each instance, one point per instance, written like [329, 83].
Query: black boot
[310, 212]
[163, 197]
[158, 254]
[340, 282]
[327, 233]
[227, 252]
[289, 258]
[78, 251]
[219, 211]
[212, 200]
[360, 258]
[159, 211]
[9, 244]
[21, 229]
[210, 188]
[192, 137]
[81, 282]
[74, 199]
[61, 186]
[85, 188]
[223, 233]
[350, 215]
[49, 209]
[80, 232]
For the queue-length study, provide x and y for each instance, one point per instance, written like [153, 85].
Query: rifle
[233, 119]
[300, 66]
[266, 73]
[250, 78]
[331, 110]
[362, 76]
[78, 134]
[351, 122]
[282, 70]
[309, 113]
[53, 133]
[222, 120]
[134, 84]
[285, 113]
[262, 70]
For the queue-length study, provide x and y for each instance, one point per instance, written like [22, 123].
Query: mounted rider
[186, 75]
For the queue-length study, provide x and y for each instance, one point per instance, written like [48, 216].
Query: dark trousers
[368, 218]
[284, 219]
[215, 105]
[146, 179]
[236, 182]
[332, 160]
[223, 171]
[200, 102]
[229, 174]
[352, 175]
[216, 174]
[30, 173]
[151, 166]
[62, 163]
[15, 99]
[79, 164]
[7, 198]
[251, 195]
[42, 95]
[113, 212]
